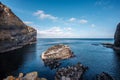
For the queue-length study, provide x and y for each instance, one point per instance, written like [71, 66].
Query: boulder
[59, 52]
[10, 78]
[14, 33]
[31, 76]
[28, 76]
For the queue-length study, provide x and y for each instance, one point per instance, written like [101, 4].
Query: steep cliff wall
[14, 33]
[117, 36]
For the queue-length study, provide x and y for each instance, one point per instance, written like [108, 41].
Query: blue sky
[69, 18]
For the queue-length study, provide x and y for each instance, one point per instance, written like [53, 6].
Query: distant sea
[96, 57]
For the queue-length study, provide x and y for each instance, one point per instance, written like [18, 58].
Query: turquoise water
[96, 57]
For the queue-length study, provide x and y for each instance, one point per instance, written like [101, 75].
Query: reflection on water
[97, 58]
[11, 61]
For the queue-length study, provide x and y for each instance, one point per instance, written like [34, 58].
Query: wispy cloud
[56, 32]
[105, 4]
[42, 15]
[72, 19]
[83, 21]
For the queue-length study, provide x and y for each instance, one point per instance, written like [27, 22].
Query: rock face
[117, 36]
[59, 51]
[13, 32]
[104, 76]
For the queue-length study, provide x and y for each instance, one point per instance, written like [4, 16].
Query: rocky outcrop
[28, 76]
[71, 72]
[116, 45]
[104, 76]
[58, 52]
[54, 54]
[14, 33]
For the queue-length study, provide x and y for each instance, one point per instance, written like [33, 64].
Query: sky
[68, 18]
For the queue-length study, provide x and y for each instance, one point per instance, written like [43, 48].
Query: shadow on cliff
[11, 61]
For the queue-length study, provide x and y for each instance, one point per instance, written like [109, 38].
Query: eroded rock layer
[14, 33]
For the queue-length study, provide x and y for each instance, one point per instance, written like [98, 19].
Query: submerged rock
[104, 76]
[108, 45]
[14, 33]
[71, 72]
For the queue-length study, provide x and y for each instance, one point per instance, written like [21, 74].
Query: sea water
[89, 52]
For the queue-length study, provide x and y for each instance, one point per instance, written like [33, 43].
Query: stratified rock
[104, 76]
[117, 36]
[71, 72]
[54, 54]
[14, 33]
[59, 51]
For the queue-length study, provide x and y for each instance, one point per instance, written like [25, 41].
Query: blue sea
[88, 51]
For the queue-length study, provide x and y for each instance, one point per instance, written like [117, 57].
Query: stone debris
[71, 72]
[28, 76]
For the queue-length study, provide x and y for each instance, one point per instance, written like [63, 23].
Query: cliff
[14, 33]
[117, 36]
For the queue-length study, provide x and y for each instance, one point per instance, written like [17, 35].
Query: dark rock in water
[52, 63]
[14, 33]
[95, 44]
[117, 36]
[71, 72]
[104, 76]
[108, 45]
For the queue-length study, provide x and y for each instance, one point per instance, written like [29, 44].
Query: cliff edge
[14, 33]
[117, 36]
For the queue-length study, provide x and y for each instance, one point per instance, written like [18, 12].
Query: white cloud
[42, 15]
[28, 22]
[92, 25]
[68, 29]
[72, 19]
[83, 21]
[55, 32]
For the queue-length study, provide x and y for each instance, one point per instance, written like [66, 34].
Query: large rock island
[54, 54]
[14, 33]
[59, 51]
